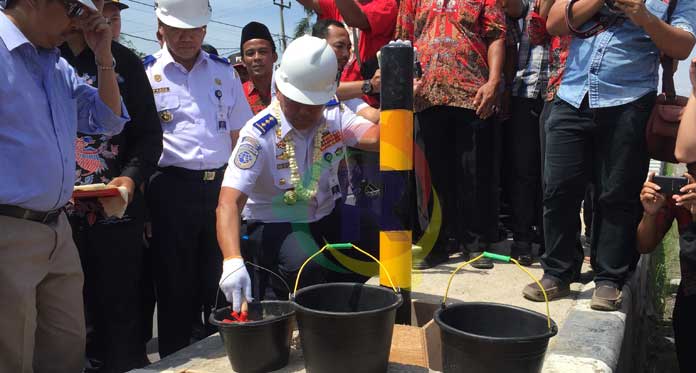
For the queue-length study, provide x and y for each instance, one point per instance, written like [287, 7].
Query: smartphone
[670, 184]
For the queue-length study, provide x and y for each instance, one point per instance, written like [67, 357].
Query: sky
[140, 22]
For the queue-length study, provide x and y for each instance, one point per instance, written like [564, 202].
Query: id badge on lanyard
[221, 114]
[334, 184]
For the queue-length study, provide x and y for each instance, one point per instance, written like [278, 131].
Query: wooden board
[409, 346]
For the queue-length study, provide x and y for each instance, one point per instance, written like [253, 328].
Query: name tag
[221, 121]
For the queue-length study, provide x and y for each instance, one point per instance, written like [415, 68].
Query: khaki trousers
[42, 324]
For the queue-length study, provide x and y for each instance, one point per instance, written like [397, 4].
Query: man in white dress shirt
[201, 107]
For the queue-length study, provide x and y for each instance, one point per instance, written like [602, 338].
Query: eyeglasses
[73, 9]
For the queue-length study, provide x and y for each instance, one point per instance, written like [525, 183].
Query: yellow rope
[546, 299]
[449, 282]
[297, 280]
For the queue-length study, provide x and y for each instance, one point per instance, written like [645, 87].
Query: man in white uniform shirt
[282, 177]
[201, 107]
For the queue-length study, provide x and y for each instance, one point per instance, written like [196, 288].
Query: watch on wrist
[366, 87]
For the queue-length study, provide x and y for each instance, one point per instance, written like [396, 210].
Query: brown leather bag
[663, 125]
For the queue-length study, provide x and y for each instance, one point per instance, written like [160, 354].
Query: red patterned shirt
[558, 52]
[452, 40]
[253, 96]
[381, 15]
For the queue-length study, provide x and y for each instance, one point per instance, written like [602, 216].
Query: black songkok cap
[255, 30]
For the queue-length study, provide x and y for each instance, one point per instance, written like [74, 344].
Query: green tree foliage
[304, 26]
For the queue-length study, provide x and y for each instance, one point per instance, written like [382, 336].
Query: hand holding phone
[670, 185]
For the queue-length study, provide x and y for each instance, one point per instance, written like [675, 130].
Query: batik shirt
[558, 51]
[452, 38]
[99, 158]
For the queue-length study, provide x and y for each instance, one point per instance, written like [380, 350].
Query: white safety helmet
[186, 14]
[307, 72]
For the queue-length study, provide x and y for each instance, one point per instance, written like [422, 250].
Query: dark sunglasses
[73, 8]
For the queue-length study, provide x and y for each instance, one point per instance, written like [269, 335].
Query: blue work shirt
[43, 104]
[619, 65]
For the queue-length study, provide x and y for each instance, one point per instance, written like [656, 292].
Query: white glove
[234, 280]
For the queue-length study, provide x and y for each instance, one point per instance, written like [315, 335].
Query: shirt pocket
[658, 8]
[167, 106]
[281, 175]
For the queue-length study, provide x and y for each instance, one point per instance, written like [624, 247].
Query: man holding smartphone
[596, 133]
[42, 326]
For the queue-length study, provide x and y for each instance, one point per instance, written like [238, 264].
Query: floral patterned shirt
[558, 52]
[452, 39]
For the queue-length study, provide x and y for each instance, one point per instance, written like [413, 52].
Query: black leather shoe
[483, 263]
[522, 252]
[433, 259]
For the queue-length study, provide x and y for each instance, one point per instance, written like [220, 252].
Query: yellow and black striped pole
[396, 169]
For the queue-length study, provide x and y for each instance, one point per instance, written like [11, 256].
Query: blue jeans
[605, 146]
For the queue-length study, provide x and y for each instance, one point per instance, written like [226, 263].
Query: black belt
[48, 217]
[200, 175]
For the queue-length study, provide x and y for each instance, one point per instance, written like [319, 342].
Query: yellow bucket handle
[506, 259]
[341, 246]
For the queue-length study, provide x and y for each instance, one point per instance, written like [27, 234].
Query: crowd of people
[529, 107]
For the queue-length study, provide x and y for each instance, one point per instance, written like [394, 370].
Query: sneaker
[522, 251]
[606, 298]
[433, 259]
[483, 263]
[555, 289]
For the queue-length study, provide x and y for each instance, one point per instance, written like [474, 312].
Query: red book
[95, 192]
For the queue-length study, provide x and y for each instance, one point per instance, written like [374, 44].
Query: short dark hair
[210, 49]
[321, 28]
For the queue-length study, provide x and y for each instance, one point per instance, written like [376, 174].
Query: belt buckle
[209, 175]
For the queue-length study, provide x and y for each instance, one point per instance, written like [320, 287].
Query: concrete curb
[589, 341]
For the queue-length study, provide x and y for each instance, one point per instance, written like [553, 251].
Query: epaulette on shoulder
[265, 123]
[334, 101]
[149, 60]
[219, 59]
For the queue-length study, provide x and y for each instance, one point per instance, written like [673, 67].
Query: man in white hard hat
[282, 177]
[201, 107]
[44, 104]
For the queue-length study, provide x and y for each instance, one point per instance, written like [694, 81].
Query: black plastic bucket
[259, 345]
[346, 327]
[493, 338]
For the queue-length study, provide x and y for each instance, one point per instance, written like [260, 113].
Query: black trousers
[284, 247]
[187, 258]
[606, 146]
[684, 326]
[460, 152]
[112, 260]
[523, 160]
